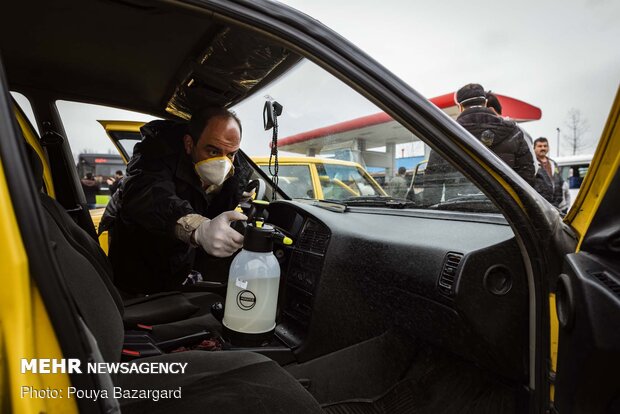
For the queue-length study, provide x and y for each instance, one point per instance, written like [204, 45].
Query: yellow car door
[588, 289]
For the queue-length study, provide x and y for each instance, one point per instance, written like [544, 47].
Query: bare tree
[577, 126]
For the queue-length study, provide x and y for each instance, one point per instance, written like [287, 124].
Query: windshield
[333, 144]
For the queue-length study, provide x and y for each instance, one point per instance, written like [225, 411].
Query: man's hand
[216, 236]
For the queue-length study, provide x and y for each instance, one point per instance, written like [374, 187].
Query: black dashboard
[454, 280]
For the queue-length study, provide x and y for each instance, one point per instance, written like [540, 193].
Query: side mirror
[271, 110]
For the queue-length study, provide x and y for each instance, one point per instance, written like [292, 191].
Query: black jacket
[114, 186]
[91, 188]
[551, 188]
[502, 136]
[160, 187]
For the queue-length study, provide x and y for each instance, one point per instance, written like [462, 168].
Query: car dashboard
[452, 280]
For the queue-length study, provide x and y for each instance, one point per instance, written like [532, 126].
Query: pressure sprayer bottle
[253, 284]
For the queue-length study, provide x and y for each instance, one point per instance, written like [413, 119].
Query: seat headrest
[36, 166]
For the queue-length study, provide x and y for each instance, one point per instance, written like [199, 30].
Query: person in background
[91, 188]
[398, 184]
[494, 104]
[549, 181]
[500, 135]
[114, 182]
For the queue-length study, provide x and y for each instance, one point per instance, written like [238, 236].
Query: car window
[127, 140]
[26, 107]
[96, 158]
[294, 180]
[340, 182]
[574, 174]
[324, 118]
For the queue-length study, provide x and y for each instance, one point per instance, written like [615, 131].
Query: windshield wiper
[477, 203]
[331, 205]
[378, 201]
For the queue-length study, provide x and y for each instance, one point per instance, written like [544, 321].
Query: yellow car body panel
[26, 331]
[605, 163]
[601, 172]
[121, 126]
[96, 215]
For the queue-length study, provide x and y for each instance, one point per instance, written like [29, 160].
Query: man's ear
[188, 144]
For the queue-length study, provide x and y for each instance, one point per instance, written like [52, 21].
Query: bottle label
[241, 284]
[246, 300]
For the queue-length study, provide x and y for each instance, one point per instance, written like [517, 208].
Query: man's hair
[402, 170]
[201, 118]
[118, 172]
[540, 139]
[493, 102]
[89, 176]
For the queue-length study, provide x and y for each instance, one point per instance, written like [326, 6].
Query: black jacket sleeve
[148, 194]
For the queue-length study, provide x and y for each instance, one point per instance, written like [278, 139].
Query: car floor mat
[445, 387]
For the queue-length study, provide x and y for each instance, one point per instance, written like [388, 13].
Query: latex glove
[216, 236]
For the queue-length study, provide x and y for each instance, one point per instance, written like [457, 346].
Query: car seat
[190, 312]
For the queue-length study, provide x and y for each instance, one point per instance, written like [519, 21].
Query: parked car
[384, 306]
[322, 178]
[573, 169]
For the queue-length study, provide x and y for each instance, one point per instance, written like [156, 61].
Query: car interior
[381, 309]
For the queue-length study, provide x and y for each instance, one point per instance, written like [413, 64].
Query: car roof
[571, 159]
[150, 57]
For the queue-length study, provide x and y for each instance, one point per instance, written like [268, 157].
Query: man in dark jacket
[115, 181]
[175, 205]
[549, 181]
[502, 136]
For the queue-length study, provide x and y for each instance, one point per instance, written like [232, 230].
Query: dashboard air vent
[605, 279]
[448, 272]
[314, 238]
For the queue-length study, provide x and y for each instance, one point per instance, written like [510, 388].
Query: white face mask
[214, 171]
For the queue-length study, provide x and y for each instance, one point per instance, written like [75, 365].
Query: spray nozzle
[282, 238]
[257, 215]
[254, 211]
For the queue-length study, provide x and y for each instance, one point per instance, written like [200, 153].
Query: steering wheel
[257, 185]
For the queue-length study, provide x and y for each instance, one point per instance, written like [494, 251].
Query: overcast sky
[554, 55]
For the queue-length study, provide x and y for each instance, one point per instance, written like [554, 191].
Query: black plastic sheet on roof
[234, 63]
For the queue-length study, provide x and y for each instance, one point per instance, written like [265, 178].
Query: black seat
[216, 382]
[193, 308]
